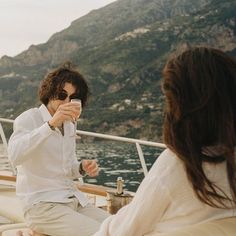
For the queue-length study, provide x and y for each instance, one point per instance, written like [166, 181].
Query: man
[42, 147]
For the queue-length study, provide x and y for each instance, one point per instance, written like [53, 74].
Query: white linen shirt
[165, 201]
[45, 159]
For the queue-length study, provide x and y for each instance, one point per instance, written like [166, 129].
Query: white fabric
[11, 208]
[222, 227]
[45, 159]
[165, 201]
[67, 219]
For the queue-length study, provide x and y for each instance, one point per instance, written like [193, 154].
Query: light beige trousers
[65, 219]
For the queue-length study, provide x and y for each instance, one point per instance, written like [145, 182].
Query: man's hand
[90, 167]
[68, 111]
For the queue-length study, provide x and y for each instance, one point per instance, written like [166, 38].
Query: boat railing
[137, 142]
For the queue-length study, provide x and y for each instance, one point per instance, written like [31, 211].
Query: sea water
[117, 159]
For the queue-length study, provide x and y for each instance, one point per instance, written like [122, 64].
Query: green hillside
[121, 50]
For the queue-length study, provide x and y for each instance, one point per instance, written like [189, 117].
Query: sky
[27, 22]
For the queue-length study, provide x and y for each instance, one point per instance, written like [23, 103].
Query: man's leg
[60, 219]
[93, 212]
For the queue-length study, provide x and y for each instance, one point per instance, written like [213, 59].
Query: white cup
[75, 100]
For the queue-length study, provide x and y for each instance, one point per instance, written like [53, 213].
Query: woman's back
[184, 206]
[195, 182]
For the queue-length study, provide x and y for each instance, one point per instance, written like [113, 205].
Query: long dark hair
[200, 117]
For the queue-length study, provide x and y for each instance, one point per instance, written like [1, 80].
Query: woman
[42, 147]
[194, 179]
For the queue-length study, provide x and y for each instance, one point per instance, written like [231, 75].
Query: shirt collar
[45, 113]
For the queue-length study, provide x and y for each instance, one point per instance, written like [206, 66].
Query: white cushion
[13, 232]
[5, 228]
[223, 227]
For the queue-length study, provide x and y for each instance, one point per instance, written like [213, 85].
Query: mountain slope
[121, 49]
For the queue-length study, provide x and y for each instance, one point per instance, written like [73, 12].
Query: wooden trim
[94, 189]
[8, 177]
[86, 188]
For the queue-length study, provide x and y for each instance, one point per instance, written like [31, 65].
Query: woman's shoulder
[167, 164]
[168, 158]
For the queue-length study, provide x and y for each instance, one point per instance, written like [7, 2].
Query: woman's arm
[146, 209]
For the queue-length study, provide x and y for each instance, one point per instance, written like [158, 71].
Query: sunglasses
[64, 95]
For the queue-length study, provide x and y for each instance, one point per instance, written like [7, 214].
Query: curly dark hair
[200, 117]
[54, 82]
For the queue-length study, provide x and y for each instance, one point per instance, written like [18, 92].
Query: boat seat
[222, 227]
[14, 228]
[13, 211]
